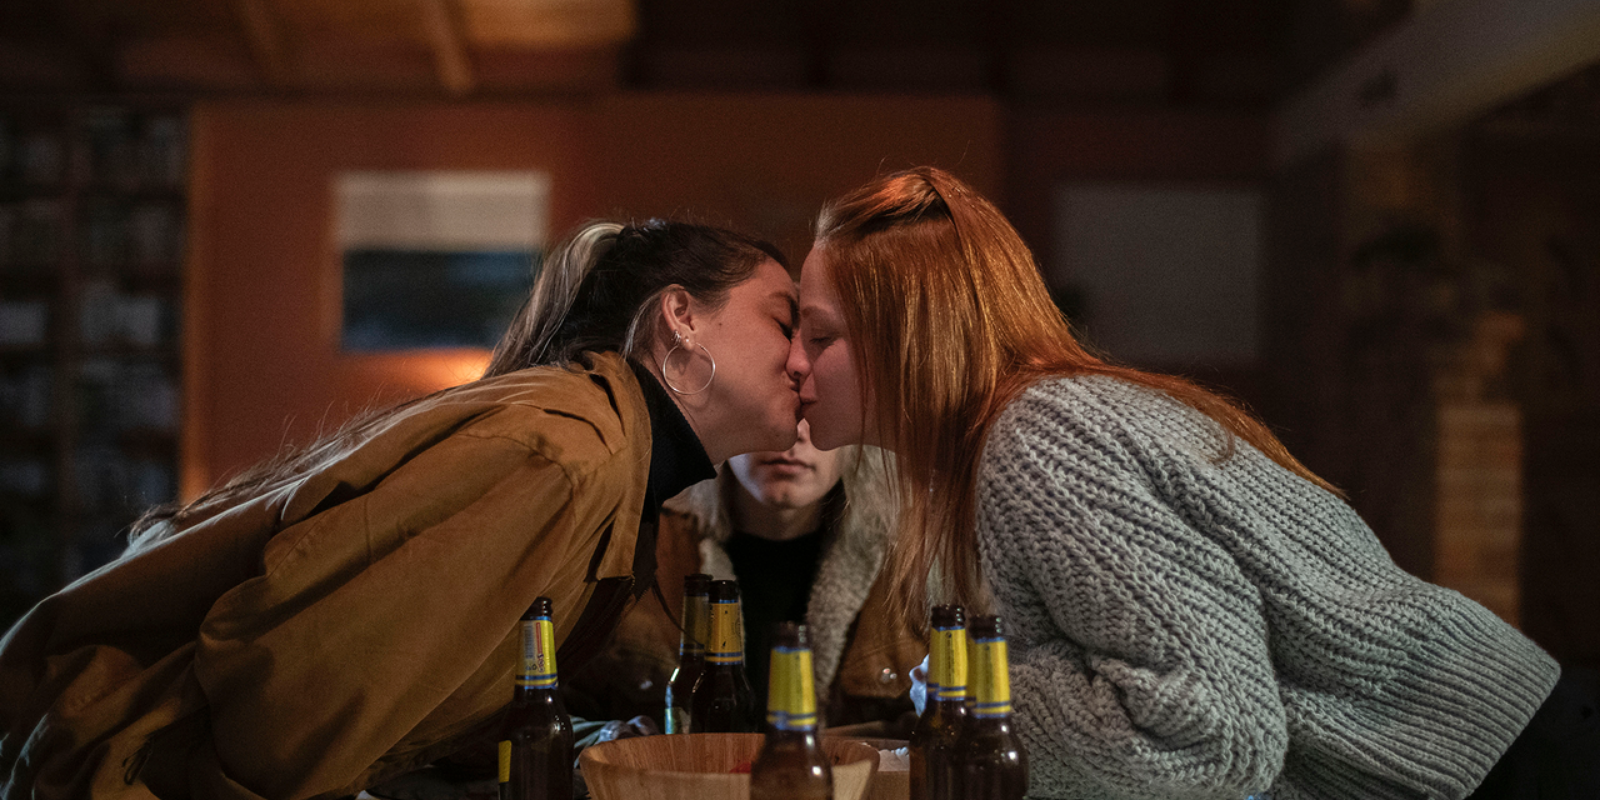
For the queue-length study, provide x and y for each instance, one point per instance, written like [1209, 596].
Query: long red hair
[950, 319]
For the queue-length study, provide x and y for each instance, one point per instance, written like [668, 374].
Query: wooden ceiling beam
[264, 32]
[442, 21]
[1450, 63]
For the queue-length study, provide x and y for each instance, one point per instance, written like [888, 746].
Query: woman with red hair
[1192, 612]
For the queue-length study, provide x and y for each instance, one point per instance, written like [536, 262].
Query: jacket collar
[861, 529]
[611, 372]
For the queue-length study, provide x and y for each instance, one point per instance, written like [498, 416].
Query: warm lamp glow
[451, 368]
[406, 374]
[403, 375]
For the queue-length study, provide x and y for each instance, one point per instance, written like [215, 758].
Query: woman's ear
[678, 314]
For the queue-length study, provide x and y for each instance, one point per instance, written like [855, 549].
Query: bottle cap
[724, 591]
[792, 635]
[986, 626]
[542, 607]
[948, 616]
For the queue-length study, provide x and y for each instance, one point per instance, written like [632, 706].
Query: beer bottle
[989, 761]
[691, 651]
[972, 672]
[723, 701]
[791, 764]
[944, 711]
[536, 737]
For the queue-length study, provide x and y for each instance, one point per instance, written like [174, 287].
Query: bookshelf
[92, 229]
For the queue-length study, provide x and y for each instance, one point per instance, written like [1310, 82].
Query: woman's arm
[383, 622]
[1142, 668]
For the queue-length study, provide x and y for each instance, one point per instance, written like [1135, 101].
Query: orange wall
[262, 363]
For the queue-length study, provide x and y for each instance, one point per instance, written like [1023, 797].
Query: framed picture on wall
[437, 259]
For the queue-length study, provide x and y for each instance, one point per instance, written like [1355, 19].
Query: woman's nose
[798, 365]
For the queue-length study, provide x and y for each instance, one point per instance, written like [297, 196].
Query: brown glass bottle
[944, 712]
[723, 701]
[972, 671]
[691, 651]
[989, 762]
[791, 764]
[536, 737]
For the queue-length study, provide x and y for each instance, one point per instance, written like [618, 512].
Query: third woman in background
[1192, 613]
[805, 532]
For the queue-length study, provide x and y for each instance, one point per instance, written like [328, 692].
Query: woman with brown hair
[1192, 613]
[350, 612]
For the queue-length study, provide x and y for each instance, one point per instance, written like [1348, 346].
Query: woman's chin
[776, 439]
[822, 439]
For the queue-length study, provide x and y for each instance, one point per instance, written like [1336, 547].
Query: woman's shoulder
[1093, 401]
[563, 412]
[1085, 388]
[1103, 413]
[601, 385]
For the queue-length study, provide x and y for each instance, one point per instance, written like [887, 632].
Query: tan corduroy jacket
[349, 625]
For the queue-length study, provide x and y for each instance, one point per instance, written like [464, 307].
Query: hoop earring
[677, 342]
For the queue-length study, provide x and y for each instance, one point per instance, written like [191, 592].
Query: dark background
[1429, 175]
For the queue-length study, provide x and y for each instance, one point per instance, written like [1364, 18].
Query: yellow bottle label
[696, 625]
[791, 691]
[949, 663]
[993, 681]
[505, 761]
[726, 644]
[538, 654]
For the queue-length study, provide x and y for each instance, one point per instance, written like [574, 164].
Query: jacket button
[887, 676]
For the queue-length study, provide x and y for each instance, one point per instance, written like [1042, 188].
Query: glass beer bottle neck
[948, 681]
[992, 683]
[726, 642]
[538, 669]
[791, 695]
[696, 610]
[691, 665]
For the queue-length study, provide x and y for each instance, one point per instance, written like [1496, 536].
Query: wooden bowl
[887, 783]
[698, 766]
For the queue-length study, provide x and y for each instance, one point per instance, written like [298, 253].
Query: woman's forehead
[815, 267]
[816, 291]
[818, 309]
[776, 282]
[770, 284]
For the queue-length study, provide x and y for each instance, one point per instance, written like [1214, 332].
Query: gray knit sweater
[1184, 626]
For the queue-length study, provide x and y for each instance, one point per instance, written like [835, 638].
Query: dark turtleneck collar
[677, 459]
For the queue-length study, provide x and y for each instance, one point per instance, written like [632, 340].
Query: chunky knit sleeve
[1141, 666]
